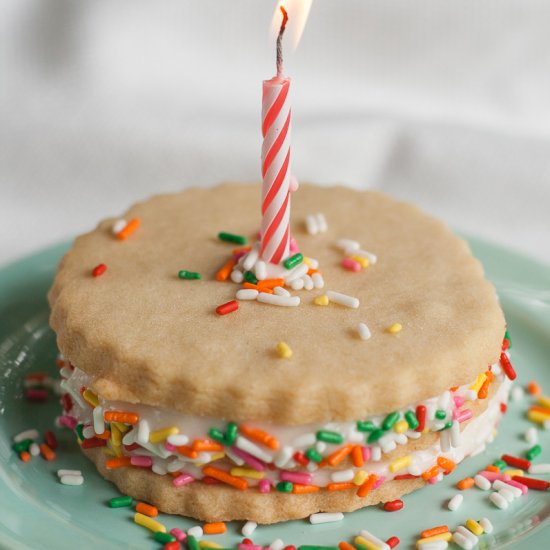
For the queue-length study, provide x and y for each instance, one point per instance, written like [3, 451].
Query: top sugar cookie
[147, 336]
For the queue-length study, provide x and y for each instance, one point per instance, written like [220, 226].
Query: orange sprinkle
[241, 249]
[345, 546]
[105, 435]
[214, 528]
[434, 531]
[322, 464]
[260, 436]
[311, 271]
[225, 271]
[432, 472]
[357, 456]
[258, 288]
[216, 473]
[206, 445]
[302, 489]
[337, 456]
[492, 468]
[342, 486]
[25, 456]
[543, 410]
[147, 509]
[121, 416]
[465, 483]
[46, 452]
[489, 374]
[446, 463]
[130, 227]
[366, 488]
[454, 388]
[271, 283]
[119, 462]
[187, 451]
[484, 390]
[533, 388]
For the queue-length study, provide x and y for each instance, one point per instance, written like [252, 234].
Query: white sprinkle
[34, 449]
[342, 299]
[508, 495]
[261, 270]
[369, 536]
[195, 531]
[247, 294]
[340, 476]
[375, 453]
[248, 528]
[462, 541]
[539, 469]
[311, 466]
[298, 284]
[435, 545]
[445, 441]
[517, 393]
[65, 372]
[498, 500]
[414, 470]
[308, 282]
[27, 434]
[499, 484]
[487, 525]
[71, 480]
[388, 447]
[88, 432]
[129, 437]
[482, 482]
[177, 439]
[143, 431]
[320, 447]
[177, 464]
[237, 276]
[318, 281]
[470, 395]
[305, 440]
[159, 466]
[455, 434]
[277, 544]
[347, 245]
[413, 435]
[400, 439]
[274, 300]
[74, 394]
[367, 255]
[312, 227]
[99, 423]
[118, 226]
[232, 456]
[444, 400]
[296, 273]
[246, 445]
[467, 534]
[61, 473]
[546, 424]
[321, 222]
[280, 291]
[364, 332]
[455, 502]
[532, 436]
[283, 456]
[250, 259]
[325, 517]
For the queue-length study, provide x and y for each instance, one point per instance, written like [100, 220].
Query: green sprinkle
[390, 420]
[285, 486]
[507, 337]
[231, 238]
[360, 546]
[500, 464]
[164, 538]
[330, 437]
[447, 426]
[249, 277]
[533, 452]
[22, 445]
[79, 431]
[440, 414]
[231, 433]
[365, 426]
[293, 261]
[183, 274]
[121, 502]
[312, 454]
[375, 435]
[216, 435]
[411, 419]
[192, 543]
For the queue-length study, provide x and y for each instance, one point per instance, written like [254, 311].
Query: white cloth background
[104, 102]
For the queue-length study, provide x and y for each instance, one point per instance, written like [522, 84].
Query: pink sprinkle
[182, 479]
[378, 482]
[252, 461]
[293, 245]
[179, 534]
[302, 478]
[459, 401]
[366, 453]
[351, 265]
[517, 484]
[249, 547]
[142, 461]
[464, 415]
[491, 476]
[170, 447]
[33, 394]
[68, 421]
[432, 480]
[239, 255]
[264, 486]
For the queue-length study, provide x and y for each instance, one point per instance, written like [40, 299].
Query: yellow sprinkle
[360, 477]
[476, 386]
[91, 397]
[284, 351]
[209, 544]
[537, 416]
[473, 526]
[321, 300]
[247, 472]
[363, 262]
[116, 435]
[149, 523]
[400, 463]
[395, 328]
[513, 472]
[444, 536]
[306, 260]
[108, 452]
[118, 451]
[366, 543]
[401, 427]
[158, 436]
[217, 456]
[544, 400]
[122, 428]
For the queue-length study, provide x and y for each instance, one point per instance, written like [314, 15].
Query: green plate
[36, 511]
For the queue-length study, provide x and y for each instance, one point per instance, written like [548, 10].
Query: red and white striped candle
[276, 117]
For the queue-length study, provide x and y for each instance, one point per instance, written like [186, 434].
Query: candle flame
[298, 12]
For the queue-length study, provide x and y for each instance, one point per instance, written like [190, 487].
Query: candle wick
[280, 43]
